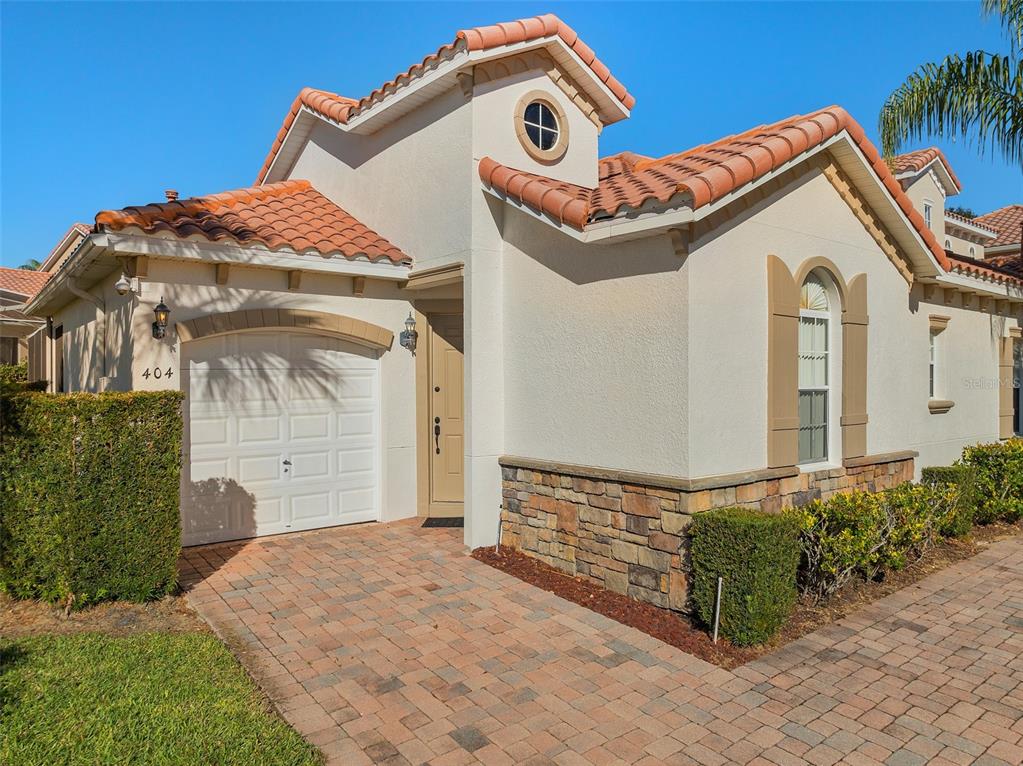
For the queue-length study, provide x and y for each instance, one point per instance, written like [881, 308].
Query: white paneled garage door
[282, 434]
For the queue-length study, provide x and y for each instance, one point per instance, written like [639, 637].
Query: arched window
[948, 244]
[973, 251]
[814, 370]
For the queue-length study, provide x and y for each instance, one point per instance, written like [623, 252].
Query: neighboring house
[1004, 249]
[17, 286]
[761, 319]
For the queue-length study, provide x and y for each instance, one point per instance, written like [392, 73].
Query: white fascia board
[88, 251]
[1012, 247]
[258, 257]
[896, 212]
[970, 227]
[949, 186]
[980, 286]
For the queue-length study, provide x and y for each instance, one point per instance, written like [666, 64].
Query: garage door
[282, 434]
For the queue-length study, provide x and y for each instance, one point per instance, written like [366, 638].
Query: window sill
[815, 467]
[940, 406]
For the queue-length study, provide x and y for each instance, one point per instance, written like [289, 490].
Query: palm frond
[978, 97]
[1011, 13]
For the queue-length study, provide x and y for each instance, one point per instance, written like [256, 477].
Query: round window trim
[556, 152]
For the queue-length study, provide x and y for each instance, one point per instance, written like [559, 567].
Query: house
[17, 286]
[438, 299]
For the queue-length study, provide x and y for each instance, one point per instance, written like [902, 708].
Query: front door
[447, 425]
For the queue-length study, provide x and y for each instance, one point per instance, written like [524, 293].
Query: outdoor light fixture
[409, 335]
[123, 285]
[162, 315]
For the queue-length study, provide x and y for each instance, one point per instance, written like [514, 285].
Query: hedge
[13, 373]
[865, 534]
[961, 481]
[89, 494]
[757, 555]
[998, 474]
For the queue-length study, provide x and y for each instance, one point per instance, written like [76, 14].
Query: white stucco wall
[924, 188]
[728, 321]
[410, 181]
[595, 350]
[962, 247]
[190, 290]
[494, 108]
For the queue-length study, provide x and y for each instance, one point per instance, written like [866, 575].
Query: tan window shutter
[782, 365]
[1005, 386]
[854, 369]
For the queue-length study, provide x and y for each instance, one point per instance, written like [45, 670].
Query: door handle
[286, 463]
[436, 433]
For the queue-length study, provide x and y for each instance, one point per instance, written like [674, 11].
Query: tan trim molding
[861, 209]
[1005, 388]
[854, 368]
[940, 406]
[349, 328]
[938, 322]
[782, 365]
[822, 263]
[438, 276]
[883, 457]
[556, 152]
[538, 61]
[659, 481]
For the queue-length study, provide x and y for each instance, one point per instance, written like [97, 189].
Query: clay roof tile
[290, 214]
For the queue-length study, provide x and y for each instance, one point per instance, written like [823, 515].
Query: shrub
[866, 533]
[757, 554]
[998, 474]
[89, 494]
[955, 487]
[13, 373]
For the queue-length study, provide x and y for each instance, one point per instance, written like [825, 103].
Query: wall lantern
[162, 315]
[409, 335]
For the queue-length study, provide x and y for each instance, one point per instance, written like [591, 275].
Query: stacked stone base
[627, 532]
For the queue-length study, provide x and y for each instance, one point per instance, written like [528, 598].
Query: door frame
[423, 309]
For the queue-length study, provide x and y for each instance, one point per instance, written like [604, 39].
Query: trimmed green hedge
[13, 373]
[89, 495]
[960, 482]
[757, 555]
[998, 472]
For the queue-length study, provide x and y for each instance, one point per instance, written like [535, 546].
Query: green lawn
[151, 698]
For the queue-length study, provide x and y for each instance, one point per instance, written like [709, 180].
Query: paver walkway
[388, 644]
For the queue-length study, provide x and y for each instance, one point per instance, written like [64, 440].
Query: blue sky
[107, 105]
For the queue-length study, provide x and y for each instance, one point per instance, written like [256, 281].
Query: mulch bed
[683, 633]
[19, 619]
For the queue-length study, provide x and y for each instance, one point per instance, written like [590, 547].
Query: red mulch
[669, 627]
[681, 632]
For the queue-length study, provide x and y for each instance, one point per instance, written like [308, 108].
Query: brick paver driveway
[388, 644]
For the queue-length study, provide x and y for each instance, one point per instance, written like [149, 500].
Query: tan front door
[447, 426]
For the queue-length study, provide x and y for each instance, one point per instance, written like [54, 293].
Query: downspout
[101, 320]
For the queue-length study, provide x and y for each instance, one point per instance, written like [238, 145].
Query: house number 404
[157, 373]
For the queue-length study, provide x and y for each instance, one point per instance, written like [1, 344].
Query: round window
[541, 125]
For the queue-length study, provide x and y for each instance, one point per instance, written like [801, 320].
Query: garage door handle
[287, 462]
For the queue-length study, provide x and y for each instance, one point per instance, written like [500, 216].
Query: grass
[152, 698]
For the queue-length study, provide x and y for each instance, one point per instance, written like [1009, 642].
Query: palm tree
[30, 265]
[978, 96]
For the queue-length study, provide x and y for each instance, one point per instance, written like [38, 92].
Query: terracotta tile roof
[1003, 269]
[25, 282]
[340, 109]
[914, 162]
[706, 173]
[287, 215]
[1007, 222]
[955, 217]
[1012, 263]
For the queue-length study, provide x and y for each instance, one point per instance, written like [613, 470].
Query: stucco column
[484, 396]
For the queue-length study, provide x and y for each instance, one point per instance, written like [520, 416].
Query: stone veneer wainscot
[627, 531]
